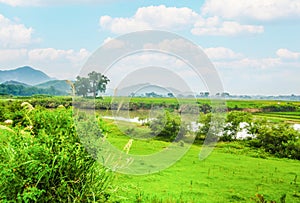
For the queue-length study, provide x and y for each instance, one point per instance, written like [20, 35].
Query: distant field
[231, 104]
[292, 117]
[253, 106]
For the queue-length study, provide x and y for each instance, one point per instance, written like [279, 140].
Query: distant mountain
[60, 85]
[25, 75]
[12, 82]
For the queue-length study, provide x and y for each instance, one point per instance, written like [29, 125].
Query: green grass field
[232, 173]
[291, 117]
[229, 174]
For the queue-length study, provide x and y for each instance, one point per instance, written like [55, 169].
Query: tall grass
[42, 160]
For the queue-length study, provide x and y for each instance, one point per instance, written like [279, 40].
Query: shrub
[42, 160]
[279, 108]
[168, 127]
[211, 128]
[281, 139]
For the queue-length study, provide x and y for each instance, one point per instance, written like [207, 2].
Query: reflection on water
[143, 116]
[131, 120]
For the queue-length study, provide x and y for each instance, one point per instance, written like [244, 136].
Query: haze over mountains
[25, 75]
[29, 77]
[33, 80]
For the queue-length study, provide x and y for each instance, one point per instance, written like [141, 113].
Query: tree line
[20, 90]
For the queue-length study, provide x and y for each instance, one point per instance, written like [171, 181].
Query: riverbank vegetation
[44, 160]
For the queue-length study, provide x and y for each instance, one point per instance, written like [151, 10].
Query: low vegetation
[20, 90]
[42, 159]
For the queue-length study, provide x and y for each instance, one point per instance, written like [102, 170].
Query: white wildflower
[8, 122]
[27, 106]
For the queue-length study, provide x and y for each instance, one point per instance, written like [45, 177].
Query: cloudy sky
[254, 44]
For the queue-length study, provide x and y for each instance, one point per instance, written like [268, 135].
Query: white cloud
[252, 9]
[215, 26]
[172, 45]
[13, 34]
[106, 40]
[250, 63]
[269, 76]
[219, 53]
[284, 59]
[172, 18]
[12, 54]
[287, 54]
[48, 54]
[158, 66]
[152, 17]
[57, 63]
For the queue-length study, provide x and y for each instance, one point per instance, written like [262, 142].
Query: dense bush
[20, 90]
[211, 128]
[11, 109]
[281, 139]
[278, 139]
[42, 160]
[168, 127]
[279, 108]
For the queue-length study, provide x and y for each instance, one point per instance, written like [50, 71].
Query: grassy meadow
[44, 160]
[232, 173]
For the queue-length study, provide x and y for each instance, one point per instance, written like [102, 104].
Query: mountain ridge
[25, 74]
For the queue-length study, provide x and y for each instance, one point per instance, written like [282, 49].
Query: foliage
[20, 90]
[82, 86]
[211, 126]
[98, 82]
[205, 108]
[279, 108]
[42, 160]
[168, 127]
[94, 83]
[204, 128]
[278, 139]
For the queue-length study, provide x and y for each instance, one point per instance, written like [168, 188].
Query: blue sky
[254, 44]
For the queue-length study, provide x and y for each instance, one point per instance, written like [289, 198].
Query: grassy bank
[43, 159]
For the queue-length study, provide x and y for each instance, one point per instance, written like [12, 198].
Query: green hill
[12, 82]
[60, 85]
[25, 75]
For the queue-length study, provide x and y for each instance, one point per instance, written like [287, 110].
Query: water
[193, 126]
[131, 120]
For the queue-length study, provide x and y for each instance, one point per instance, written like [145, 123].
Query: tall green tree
[98, 82]
[82, 86]
[94, 83]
